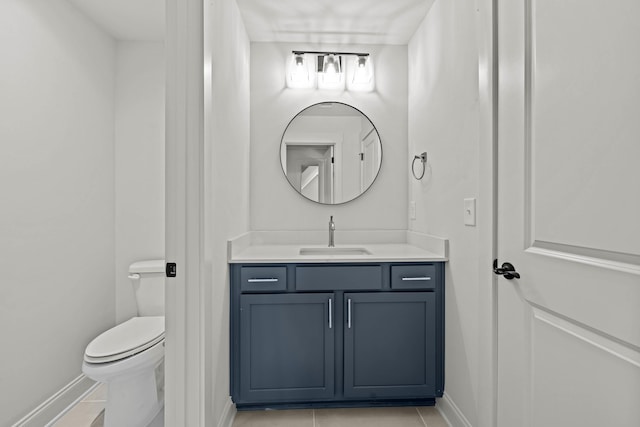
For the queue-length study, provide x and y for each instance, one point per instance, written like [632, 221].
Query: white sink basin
[334, 251]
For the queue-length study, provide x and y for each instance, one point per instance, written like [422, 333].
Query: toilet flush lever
[134, 276]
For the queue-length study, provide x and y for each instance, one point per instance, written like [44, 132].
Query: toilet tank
[148, 283]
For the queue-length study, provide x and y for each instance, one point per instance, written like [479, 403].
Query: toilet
[129, 358]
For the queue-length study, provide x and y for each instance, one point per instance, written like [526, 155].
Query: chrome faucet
[332, 230]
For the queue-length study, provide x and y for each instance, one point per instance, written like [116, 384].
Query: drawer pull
[349, 313]
[413, 279]
[330, 314]
[262, 280]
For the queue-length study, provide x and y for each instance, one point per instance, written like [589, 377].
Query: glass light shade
[299, 75]
[361, 74]
[331, 65]
[331, 76]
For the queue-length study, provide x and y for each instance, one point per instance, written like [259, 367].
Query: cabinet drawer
[263, 279]
[413, 276]
[338, 278]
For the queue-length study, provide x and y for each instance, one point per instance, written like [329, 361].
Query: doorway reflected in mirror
[331, 153]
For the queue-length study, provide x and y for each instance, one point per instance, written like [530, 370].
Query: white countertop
[414, 249]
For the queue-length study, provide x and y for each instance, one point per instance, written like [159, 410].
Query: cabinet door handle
[262, 280]
[412, 279]
[330, 313]
[349, 313]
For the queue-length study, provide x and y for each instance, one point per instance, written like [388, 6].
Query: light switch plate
[412, 209]
[470, 212]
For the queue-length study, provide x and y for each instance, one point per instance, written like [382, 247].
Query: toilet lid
[128, 338]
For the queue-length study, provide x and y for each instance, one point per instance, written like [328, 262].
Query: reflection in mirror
[331, 153]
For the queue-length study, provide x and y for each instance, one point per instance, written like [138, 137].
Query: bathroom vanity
[331, 330]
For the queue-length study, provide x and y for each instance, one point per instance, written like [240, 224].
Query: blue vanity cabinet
[336, 334]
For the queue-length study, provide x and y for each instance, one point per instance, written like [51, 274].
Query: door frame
[185, 371]
[184, 361]
[487, 211]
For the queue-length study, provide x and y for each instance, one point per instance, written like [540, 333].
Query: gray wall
[139, 163]
[57, 192]
[443, 120]
[226, 175]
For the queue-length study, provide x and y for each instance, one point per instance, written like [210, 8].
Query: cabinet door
[286, 347]
[389, 345]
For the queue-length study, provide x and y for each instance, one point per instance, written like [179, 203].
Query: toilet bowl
[129, 358]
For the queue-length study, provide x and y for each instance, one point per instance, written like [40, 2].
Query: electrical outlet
[412, 209]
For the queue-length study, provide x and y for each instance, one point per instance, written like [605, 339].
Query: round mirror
[331, 153]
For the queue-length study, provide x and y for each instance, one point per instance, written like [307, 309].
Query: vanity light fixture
[331, 70]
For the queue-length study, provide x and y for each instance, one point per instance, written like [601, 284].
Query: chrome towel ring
[423, 159]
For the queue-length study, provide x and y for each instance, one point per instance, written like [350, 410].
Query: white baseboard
[51, 409]
[228, 414]
[451, 413]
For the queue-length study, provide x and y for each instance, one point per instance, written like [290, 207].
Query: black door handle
[507, 270]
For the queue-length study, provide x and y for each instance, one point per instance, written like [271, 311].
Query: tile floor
[89, 413]
[424, 416]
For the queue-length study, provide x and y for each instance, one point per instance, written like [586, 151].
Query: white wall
[57, 197]
[139, 163]
[443, 120]
[226, 175]
[274, 203]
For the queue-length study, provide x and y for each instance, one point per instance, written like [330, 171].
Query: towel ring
[423, 159]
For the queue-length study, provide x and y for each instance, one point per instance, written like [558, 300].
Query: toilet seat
[126, 339]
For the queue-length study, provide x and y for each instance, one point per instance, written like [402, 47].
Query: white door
[569, 213]
[369, 160]
[328, 175]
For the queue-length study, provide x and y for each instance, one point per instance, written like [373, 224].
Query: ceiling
[127, 19]
[333, 21]
[298, 21]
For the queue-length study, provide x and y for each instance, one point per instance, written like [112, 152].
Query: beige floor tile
[432, 417]
[369, 417]
[288, 418]
[81, 415]
[97, 395]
